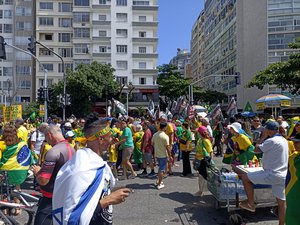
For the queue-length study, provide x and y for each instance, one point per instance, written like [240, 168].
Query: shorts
[147, 157]
[162, 164]
[175, 148]
[266, 177]
[126, 153]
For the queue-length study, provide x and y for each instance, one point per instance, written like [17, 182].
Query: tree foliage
[31, 108]
[86, 84]
[209, 96]
[285, 75]
[171, 83]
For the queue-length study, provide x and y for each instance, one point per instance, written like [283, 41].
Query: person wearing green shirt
[186, 148]
[179, 133]
[127, 146]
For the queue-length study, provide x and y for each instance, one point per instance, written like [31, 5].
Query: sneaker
[246, 205]
[160, 186]
[156, 183]
[151, 175]
[132, 176]
[144, 174]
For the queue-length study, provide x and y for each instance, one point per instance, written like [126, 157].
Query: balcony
[101, 6]
[145, 71]
[145, 7]
[102, 54]
[101, 23]
[144, 40]
[101, 39]
[144, 24]
[145, 55]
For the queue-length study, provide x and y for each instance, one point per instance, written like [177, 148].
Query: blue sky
[176, 19]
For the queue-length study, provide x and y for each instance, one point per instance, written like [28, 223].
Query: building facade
[182, 62]
[120, 32]
[16, 72]
[244, 37]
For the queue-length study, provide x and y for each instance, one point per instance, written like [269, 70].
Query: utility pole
[64, 78]
[191, 94]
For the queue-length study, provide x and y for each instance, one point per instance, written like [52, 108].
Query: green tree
[33, 107]
[209, 96]
[171, 83]
[285, 75]
[86, 84]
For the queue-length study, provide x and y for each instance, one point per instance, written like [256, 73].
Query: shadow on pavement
[137, 186]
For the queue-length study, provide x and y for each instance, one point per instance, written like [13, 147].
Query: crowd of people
[96, 152]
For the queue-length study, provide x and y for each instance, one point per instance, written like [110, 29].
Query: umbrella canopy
[248, 114]
[272, 97]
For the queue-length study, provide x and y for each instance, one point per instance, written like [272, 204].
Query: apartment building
[16, 25]
[245, 36]
[120, 32]
[182, 61]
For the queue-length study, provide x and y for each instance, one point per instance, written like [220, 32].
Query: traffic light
[31, 45]
[2, 48]
[50, 94]
[41, 94]
[237, 78]
[68, 101]
[60, 99]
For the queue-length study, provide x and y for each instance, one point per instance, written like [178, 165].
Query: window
[24, 84]
[67, 66]
[7, 28]
[7, 14]
[81, 61]
[102, 33]
[121, 2]
[102, 17]
[23, 11]
[23, 70]
[82, 32]
[142, 18]
[81, 17]
[142, 49]
[64, 37]
[1, 28]
[48, 37]
[46, 5]
[64, 7]
[46, 21]
[23, 26]
[65, 22]
[81, 48]
[81, 2]
[9, 2]
[102, 49]
[140, 2]
[123, 65]
[65, 52]
[1, 14]
[121, 32]
[142, 65]
[122, 17]
[121, 48]
[45, 52]
[142, 80]
[7, 71]
[49, 82]
[7, 85]
[102, 2]
[122, 80]
[142, 34]
[48, 66]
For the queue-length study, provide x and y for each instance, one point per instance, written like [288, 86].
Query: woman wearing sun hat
[243, 148]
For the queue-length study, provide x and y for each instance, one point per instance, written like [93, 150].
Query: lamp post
[8, 90]
[130, 87]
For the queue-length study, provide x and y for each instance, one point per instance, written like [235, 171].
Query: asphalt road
[175, 204]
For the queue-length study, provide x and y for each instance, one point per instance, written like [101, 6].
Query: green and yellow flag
[292, 190]
[16, 159]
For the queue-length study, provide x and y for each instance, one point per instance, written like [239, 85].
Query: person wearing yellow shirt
[203, 148]
[70, 135]
[186, 148]
[21, 130]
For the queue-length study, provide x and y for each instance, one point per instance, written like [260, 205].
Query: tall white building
[120, 32]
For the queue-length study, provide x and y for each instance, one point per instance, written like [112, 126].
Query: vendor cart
[228, 191]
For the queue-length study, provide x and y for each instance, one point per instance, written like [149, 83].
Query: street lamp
[8, 90]
[130, 87]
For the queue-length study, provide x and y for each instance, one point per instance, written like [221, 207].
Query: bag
[196, 164]
[181, 141]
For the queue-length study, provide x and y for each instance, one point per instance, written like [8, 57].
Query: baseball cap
[272, 125]
[70, 134]
[296, 138]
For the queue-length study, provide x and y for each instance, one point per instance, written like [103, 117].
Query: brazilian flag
[16, 159]
[292, 190]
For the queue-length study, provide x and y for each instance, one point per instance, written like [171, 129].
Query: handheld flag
[151, 108]
[232, 108]
[119, 107]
